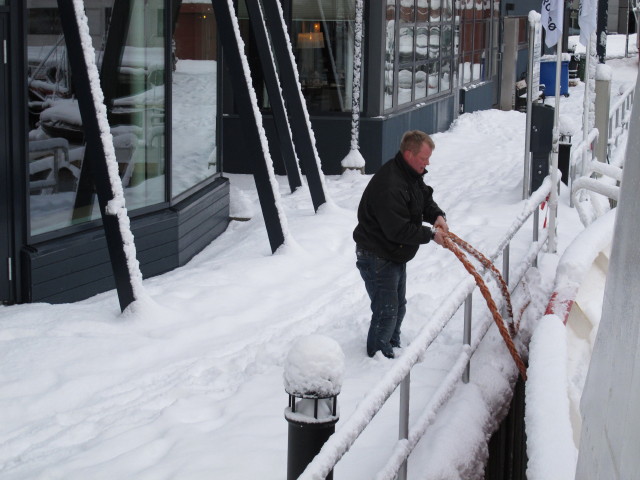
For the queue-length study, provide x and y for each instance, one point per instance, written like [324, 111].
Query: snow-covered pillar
[603, 103]
[354, 159]
[99, 146]
[313, 374]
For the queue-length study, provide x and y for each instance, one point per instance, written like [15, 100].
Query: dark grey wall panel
[78, 266]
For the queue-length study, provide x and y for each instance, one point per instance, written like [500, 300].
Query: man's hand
[442, 224]
[438, 236]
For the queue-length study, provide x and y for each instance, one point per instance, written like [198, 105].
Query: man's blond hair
[413, 140]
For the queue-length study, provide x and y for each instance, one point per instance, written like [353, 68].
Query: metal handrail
[399, 373]
[577, 162]
[619, 117]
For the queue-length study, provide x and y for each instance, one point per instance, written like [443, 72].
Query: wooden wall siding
[77, 267]
[202, 221]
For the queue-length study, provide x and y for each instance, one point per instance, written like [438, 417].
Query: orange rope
[451, 242]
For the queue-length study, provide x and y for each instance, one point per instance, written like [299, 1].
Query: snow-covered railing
[578, 161]
[399, 373]
[619, 117]
[607, 185]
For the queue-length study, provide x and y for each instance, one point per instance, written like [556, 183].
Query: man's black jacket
[391, 212]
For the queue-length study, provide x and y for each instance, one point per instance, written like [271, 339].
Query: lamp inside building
[312, 39]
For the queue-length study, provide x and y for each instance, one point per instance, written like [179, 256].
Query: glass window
[194, 97]
[477, 50]
[421, 81]
[406, 44]
[405, 85]
[61, 191]
[322, 34]
[390, 54]
[424, 32]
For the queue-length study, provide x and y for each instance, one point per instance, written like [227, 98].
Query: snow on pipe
[341, 441]
[592, 185]
[550, 449]
[576, 261]
[555, 456]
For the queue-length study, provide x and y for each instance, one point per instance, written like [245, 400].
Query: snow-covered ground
[191, 386]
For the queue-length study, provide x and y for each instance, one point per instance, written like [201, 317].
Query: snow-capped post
[313, 374]
[552, 17]
[354, 160]
[100, 149]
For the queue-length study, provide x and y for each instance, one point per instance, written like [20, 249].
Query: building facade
[174, 123]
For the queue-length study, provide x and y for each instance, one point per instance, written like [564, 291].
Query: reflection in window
[421, 81]
[476, 61]
[405, 85]
[406, 44]
[424, 32]
[194, 97]
[390, 52]
[322, 34]
[60, 189]
[422, 43]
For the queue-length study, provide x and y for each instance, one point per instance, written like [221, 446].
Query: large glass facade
[419, 51]
[322, 36]
[194, 97]
[60, 189]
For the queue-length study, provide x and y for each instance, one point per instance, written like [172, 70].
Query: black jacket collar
[405, 167]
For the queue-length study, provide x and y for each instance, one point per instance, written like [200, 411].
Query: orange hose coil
[456, 244]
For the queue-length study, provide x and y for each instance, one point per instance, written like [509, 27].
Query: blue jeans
[386, 284]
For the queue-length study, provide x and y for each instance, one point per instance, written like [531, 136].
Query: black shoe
[388, 354]
[395, 344]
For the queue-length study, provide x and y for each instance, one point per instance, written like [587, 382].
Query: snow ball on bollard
[313, 370]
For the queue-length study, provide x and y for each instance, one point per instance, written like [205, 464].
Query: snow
[603, 72]
[314, 367]
[190, 386]
[547, 414]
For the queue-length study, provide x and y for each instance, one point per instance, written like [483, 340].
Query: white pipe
[553, 199]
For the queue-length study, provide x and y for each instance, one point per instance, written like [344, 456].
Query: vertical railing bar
[466, 339]
[505, 263]
[403, 431]
[536, 221]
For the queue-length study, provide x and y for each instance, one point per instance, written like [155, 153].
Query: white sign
[552, 14]
[534, 75]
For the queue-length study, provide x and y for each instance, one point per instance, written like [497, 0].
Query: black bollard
[313, 378]
[307, 434]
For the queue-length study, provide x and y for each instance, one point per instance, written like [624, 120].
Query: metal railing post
[505, 264]
[403, 433]
[467, 333]
[536, 221]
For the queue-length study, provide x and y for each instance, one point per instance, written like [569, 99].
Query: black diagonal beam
[293, 98]
[95, 151]
[111, 60]
[232, 59]
[275, 95]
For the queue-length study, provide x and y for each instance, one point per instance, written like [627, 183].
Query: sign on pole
[533, 92]
[552, 13]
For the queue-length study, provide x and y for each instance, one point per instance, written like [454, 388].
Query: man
[389, 232]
